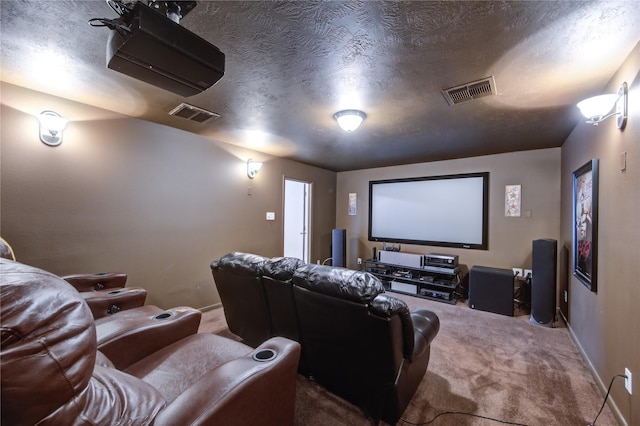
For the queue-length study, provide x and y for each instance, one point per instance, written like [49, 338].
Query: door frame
[309, 206]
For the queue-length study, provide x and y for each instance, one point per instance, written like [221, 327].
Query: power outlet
[359, 261]
[627, 380]
[528, 273]
[517, 272]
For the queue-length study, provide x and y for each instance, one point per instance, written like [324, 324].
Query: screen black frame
[484, 245]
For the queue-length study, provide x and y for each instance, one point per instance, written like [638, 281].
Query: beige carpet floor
[482, 363]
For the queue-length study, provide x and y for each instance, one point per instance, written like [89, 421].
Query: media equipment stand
[428, 282]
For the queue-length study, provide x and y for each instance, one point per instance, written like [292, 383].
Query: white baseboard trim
[603, 386]
[210, 307]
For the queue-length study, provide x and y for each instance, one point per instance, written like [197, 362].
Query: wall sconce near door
[253, 167]
[598, 108]
[51, 127]
[349, 119]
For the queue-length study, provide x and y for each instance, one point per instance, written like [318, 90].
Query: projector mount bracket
[174, 10]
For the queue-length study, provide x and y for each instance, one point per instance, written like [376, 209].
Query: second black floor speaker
[339, 247]
[543, 282]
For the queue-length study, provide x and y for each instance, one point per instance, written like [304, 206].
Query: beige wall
[128, 195]
[606, 324]
[509, 237]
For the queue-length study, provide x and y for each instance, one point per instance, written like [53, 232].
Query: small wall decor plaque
[352, 203]
[512, 200]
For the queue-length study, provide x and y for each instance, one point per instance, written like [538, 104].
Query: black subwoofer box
[491, 289]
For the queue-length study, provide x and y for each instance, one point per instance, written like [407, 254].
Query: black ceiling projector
[148, 46]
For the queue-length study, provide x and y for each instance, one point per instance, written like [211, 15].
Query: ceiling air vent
[470, 91]
[193, 113]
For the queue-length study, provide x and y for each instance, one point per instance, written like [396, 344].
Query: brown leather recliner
[360, 342]
[133, 334]
[105, 293]
[51, 371]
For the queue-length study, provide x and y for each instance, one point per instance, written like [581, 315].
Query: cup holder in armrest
[115, 291]
[162, 316]
[264, 355]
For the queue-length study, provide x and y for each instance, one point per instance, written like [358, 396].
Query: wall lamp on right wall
[598, 108]
[253, 167]
[51, 127]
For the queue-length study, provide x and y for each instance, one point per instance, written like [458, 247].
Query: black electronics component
[443, 260]
[403, 274]
[442, 269]
[491, 290]
[444, 295]
[381, 271]
[148, 46]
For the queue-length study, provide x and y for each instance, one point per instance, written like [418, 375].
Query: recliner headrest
[247, 263]
[6, 251]
[48, 343]
[355, 286]
[281, 268]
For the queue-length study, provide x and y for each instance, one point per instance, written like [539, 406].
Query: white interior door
[296, 218]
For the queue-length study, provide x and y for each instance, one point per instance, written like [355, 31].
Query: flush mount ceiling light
[349, 119]
[598, 108]
[253, 167]
[51, 127]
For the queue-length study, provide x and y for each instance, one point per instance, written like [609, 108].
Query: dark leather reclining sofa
[357, 341]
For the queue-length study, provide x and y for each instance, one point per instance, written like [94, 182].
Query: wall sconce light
[598, 108]
[349, 119]
[253, 167]
[51, 127]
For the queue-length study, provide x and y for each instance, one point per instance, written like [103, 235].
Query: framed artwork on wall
[585, 224]
[512, 201]
[353, 197]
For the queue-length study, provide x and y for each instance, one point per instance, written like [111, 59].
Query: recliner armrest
[130, 336]
[107, 302]
[97, 281]
[426, 323]
[386, 305]
[241, 391]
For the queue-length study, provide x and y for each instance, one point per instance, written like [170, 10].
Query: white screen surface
[443, 210]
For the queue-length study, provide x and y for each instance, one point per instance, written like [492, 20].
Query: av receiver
[441, 260]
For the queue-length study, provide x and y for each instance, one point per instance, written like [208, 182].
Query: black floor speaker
[491, 289]
[543, 282]
[339, 247]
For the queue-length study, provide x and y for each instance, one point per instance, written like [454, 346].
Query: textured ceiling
[291, 65]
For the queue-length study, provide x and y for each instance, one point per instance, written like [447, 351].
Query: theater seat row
[357, 341]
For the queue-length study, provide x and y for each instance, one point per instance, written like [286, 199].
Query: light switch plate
[271, 216]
